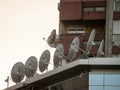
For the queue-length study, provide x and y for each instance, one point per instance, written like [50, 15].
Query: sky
[23, 25]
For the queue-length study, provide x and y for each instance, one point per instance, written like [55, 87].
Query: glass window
[76, 31]
[111, 88]
[72, 31]
[95, 87]
[112, 80]
[104, 81]
[116, 55]
[80, 30]
[100, 9]
[95, 79]
[117, 5]
[89, 9]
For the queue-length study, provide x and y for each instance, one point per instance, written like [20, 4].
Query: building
[79, 18]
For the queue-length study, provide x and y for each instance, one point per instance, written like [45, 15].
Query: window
[116, 39]
[89, 9]
[76, 31]
[92, 9]
[95, 88]
[112, 88]
[100, 9]
[113, 80]
[116, 55]
[104, 81]
[117, 5]
[95, 79]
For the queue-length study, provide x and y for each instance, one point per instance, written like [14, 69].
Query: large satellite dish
[74, 48]
[18, 72]
[100, 49]
[53, 39]
[90, 41]
[44, 60]
[58, 56]
[31, 66]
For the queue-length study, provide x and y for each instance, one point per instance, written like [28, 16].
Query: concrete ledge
[71, 69]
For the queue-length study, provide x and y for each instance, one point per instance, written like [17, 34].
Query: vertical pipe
[109, 28]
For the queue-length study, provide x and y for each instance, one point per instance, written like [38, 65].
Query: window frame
[117, 5]
[77, 30]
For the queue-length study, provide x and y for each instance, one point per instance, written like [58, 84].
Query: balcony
[116, 15]
[70, 10]
[66, 40]
[94, 15]
[75, 10]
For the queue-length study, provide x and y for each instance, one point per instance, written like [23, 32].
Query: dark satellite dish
[53, 39]
[44, 60]
[31, 66]
[73, 48]
[58, 56]
[90, 41]
[100, 49]
[18, 72]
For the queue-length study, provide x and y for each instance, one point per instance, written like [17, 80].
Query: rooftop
[71, 69]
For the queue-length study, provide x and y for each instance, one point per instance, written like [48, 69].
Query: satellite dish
[100, 49]
[18, 72]
[74, 48]
[58, 55]
[90, 41]
[31, 66]
[36, 75]
[53, 39]
[44, 60]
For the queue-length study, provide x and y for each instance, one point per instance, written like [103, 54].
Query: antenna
[59, 55]
[53, 39]
[7, 80]
[90, 41]
[18, 72]
[31, 66]
[44, 60]
[100, 49]
[73, 48]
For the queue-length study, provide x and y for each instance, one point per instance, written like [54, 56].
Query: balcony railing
[66, 40]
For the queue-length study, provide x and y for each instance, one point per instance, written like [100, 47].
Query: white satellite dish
[100, 49]
[31, 66]
[18, 72]
[53, 39]
[44, 60]
[90, 41]
[58, 56]
[73, 48]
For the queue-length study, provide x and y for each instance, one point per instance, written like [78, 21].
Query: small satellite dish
[18, 72]
[90, 41]
[100, 49]
[53, 39]
[58, 55]
[74, 48]
[44, 60]
[31, 66]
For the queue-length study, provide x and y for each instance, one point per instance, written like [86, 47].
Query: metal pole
[7, 80]
[109, 28]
